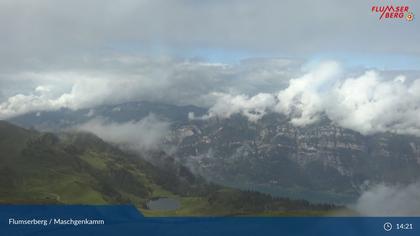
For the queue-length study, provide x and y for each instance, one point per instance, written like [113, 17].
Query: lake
[163, 204]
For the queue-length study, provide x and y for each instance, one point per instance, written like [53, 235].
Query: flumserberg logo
[400, 12]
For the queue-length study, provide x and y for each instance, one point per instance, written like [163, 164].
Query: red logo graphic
[410, 16]
[393, 12]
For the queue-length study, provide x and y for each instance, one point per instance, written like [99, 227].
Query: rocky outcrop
[271, 155]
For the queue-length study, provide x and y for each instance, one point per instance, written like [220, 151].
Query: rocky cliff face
[323, 161]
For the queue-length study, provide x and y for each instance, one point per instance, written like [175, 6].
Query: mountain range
[322, 162]
[80, 168]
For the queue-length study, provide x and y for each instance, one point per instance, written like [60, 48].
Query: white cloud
[371, 104]
[385, 200]
[123, 79]
[304, 99]
[143, 135]
[85, 92]
[20, 104]
[253, 107]
[368, 103]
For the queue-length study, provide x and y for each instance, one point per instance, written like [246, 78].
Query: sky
[261, 55]
[58, 33]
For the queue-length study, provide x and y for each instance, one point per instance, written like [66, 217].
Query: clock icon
[387, 226]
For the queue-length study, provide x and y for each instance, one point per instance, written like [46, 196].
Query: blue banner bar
[126, 220]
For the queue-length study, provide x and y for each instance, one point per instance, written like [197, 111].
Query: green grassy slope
[79, 168]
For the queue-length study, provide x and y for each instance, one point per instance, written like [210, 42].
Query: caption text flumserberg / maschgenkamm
[55, 221]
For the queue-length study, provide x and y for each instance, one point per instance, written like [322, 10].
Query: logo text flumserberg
[77, 222]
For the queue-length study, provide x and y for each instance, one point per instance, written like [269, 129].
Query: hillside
[80, 168]
[321, 162]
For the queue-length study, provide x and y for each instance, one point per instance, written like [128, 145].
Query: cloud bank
[385, 200]
[226, 105]
[80, 54]
[123, 79]
[146, 134]
[367, 103]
